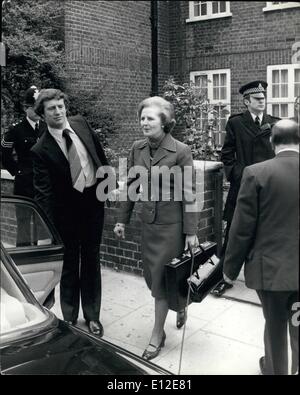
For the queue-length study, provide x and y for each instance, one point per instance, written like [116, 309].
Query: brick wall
[125, 254]
[108, 45]
[8, 219]
[7, 186]
[247, 42]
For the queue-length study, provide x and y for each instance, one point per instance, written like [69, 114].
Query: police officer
[16, 158]
[247, 141]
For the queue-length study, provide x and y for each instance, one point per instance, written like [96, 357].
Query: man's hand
[119, 230]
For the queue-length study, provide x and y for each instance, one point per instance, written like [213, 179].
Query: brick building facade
[220, 45]
[108, 45]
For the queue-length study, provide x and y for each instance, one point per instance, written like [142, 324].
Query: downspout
[2, 46]
[154, 48]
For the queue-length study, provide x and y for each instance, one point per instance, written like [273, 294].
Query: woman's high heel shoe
[153, 354]
[181, 318]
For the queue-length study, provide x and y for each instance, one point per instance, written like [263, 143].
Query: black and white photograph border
[215, 61]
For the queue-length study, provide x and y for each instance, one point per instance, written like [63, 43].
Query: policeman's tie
[257, 121]
[37, 130]
[78, 178]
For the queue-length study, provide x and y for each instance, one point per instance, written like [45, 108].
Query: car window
[16, 309]
[22, 226]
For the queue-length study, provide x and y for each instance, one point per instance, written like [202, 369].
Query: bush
[103, 121]
[195, 117]
[32, 32]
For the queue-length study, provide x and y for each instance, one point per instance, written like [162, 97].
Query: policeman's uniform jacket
[20, 138]
[245, 144]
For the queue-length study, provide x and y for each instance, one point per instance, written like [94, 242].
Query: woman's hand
[193, 240]
[119, 230]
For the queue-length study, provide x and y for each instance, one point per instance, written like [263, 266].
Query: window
[202, 10]
[283, 88]
[279, 5]
[216, 86]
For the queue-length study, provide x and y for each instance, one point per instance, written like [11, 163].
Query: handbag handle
[191, 250]
[187, 305]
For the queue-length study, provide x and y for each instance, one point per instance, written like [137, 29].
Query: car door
[33, 243]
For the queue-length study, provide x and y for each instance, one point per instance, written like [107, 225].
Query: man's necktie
[78, 178]
[257, 121]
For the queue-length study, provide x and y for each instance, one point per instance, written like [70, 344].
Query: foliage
[32, 34]
[114, 156]
[195, 116]
[102, 120]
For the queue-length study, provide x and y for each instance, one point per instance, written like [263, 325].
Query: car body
[33, 340]
[38, 254]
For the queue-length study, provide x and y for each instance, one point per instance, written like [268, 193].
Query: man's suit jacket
[170, 153]
[245, 144]
[265, 228]
[52, 177]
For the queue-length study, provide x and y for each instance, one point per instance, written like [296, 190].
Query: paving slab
[222, 336]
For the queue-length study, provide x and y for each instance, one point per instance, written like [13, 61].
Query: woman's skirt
[160, 244]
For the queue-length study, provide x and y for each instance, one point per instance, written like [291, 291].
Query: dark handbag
[179, 270]
[205, 278]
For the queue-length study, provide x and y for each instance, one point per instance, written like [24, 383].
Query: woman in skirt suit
[169, 218]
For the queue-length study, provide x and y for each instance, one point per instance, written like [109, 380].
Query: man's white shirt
[85, 159]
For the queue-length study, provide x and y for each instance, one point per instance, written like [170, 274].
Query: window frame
[290, 99]
[215, 102]
[273, 7]
[210, 15]
[209, 74]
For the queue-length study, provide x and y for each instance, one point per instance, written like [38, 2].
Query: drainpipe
[2, 46]
[154, 48]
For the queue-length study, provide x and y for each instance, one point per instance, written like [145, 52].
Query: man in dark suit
[16, 158]
[247, 142]
[65, 161]
[265, 235]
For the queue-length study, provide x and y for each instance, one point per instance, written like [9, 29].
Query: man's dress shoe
[221, 288]
[96, 328]
[74, 322]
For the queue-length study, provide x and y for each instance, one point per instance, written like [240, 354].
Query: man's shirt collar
[260, 116]
[57, 133]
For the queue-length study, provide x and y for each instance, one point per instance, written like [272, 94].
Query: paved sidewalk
[222, 336]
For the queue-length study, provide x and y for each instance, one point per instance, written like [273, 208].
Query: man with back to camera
[65, 161]
[247, 142]
[20, 138]
[265, 235]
